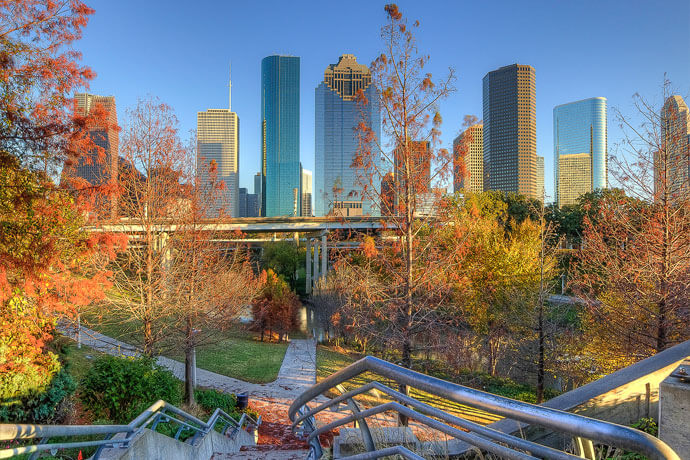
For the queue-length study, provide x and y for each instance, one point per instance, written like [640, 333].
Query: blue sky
[180, 50]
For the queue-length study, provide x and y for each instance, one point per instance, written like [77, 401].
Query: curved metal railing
[485, 438]
[158, 412]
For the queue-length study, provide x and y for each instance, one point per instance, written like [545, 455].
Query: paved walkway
[296, 374]
[271, 400]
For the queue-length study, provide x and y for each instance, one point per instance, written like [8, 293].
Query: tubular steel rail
[158, 412]
[502, 444]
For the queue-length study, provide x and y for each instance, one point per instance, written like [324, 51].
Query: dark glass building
[337, 186]
[280, 174]
[510, 130]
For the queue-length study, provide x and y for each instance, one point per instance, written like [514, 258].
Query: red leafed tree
[48, 263]
[39, 73]
[275, 308]
[634, 266]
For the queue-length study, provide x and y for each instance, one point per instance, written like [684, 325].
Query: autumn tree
[152, 192]
[633, 270]
[275, 307]
[208, 284]
[47, 261]
[397, 287]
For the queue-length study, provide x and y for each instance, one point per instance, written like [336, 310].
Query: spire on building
[230, 86]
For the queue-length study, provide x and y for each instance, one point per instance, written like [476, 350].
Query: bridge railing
[585, 431]
[158, 412]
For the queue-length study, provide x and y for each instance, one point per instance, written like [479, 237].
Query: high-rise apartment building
[672, 166]
[510, 134]
[581, 127]
[337, 115]
[388, 195]
[257, 190]
[420, 162]
[280, 76]
[306, 191]
[242, 202]
[541, 192]
[218, 158]
[101, 165]
[470, 145]
[575, 177]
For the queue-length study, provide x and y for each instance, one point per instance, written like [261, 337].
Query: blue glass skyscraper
[338, 188]
[581, 128]
[280, 136]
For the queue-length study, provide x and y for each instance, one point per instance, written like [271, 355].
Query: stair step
[254, 454]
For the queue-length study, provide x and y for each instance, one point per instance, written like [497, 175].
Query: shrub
[120, 388]
[26, 366]
[40, 407]
[209, 400]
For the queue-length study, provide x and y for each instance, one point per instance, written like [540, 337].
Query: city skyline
[609, 58]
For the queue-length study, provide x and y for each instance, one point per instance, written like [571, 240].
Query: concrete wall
[674, 412]
[622, 397]
[155, 446]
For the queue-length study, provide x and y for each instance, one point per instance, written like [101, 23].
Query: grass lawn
[235, 353]
[241, 358]
[330, 360]
[79, 360]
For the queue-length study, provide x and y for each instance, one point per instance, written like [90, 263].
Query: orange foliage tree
[397, 285]
[46, 259]
[275, 308]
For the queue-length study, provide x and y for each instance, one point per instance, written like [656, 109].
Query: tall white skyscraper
[306, 186]
[218, 145]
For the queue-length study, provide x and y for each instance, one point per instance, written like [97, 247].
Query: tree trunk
[540, 365]
[189, 364]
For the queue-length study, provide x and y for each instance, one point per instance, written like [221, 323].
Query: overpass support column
[316, 263]
[308, 261]
[324, 257]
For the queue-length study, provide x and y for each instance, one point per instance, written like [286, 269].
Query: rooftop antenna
[230, 86]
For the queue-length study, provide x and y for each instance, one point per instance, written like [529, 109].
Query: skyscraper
[470, 144]
[575, 177]
[98, 167]
[541, 192]
[242, 202]
[581, 127]
[280, 77]
[420, 162]
[337, 114]
[510, 134]
[388, 195]
[306, 191]
[218, 157]
[672, 167]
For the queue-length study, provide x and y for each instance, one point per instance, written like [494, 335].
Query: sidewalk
[296, 374]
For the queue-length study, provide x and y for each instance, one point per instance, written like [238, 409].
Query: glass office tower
[580, 127]
[337, 187]
[510, 130]
[280, 135]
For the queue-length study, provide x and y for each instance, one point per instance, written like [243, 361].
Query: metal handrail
[153, 414]
[565, 422]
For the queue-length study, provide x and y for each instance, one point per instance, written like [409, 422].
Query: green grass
[79, 360]
[235, 352]
[329, 360]
[240, 358]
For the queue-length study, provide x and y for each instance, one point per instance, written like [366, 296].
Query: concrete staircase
[259, 453]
